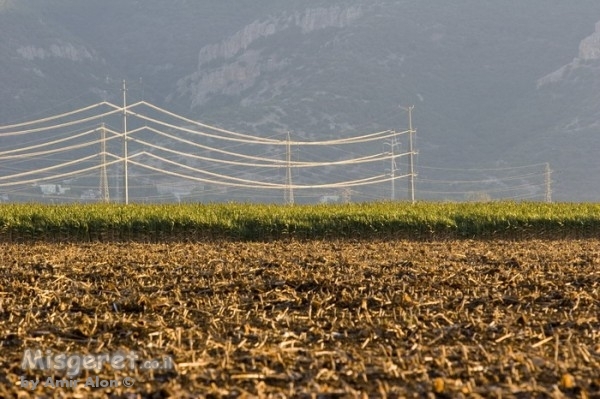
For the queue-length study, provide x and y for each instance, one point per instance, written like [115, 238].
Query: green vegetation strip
[24, 222]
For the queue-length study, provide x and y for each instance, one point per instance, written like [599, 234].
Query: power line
[55, 177]
[54, 127]
[489, 180]
[481, 169]
[54, 117]
[162, 148]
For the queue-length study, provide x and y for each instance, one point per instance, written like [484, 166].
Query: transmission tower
[104, 194]
[411, 132]
[548, 183]
[125, 152]
[289, 190]
[346, 195]
[393, 143]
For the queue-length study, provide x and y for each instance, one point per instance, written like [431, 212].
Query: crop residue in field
[472, 318]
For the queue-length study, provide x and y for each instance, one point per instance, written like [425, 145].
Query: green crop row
[262, 222]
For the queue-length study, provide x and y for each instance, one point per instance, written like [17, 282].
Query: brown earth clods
[309, 319]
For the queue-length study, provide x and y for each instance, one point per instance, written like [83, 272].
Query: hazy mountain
[495, 84]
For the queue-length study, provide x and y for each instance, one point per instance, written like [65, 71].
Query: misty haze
[504, 94]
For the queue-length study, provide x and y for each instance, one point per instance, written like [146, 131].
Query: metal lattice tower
[411, 132]
[125, 152]
[548, 181]
[104, 193]
[289, 190]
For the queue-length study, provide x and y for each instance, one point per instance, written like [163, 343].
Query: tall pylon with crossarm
[289, 188]
[104, 193]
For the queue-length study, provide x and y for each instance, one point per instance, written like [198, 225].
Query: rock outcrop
[66, 51]
[244, 65]
[589, 50]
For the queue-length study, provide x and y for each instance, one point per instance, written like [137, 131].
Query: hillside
[480, 73]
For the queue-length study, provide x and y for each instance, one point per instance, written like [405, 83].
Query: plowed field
[334, 318]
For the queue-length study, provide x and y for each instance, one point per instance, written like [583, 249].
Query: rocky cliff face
[589, 50]
[308, 21]
[242, 61]
[67, 51]
[41, 61]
